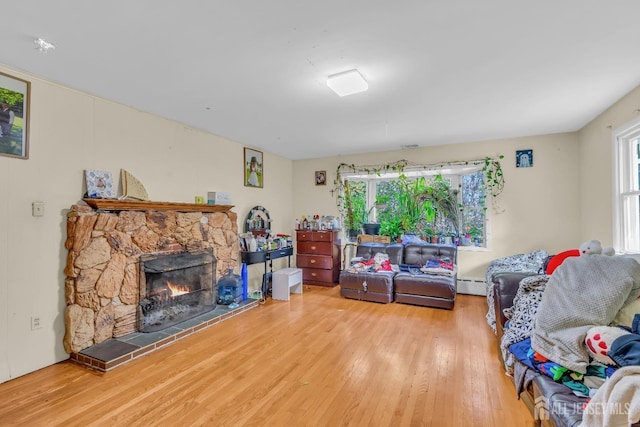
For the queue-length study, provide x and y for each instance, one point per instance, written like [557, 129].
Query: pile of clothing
[380, 262]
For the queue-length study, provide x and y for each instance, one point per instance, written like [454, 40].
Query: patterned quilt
[521, 315]
[531, 262]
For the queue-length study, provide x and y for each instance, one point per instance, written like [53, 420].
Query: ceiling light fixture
[44, 46]
[347, 83]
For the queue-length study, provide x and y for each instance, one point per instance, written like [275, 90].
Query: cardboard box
[218, 198]
[367, 238]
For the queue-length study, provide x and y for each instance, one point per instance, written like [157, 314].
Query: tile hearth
[118, 351]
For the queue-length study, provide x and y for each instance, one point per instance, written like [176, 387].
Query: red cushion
[557, 259]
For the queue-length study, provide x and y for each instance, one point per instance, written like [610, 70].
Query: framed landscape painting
[14, 116]
[253, 168]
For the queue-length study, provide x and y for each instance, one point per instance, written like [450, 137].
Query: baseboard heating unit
[472, 286]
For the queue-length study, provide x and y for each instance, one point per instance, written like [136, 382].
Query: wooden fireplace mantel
[140, 205]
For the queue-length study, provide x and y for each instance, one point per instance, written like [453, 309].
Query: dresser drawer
[315, 275]
[304, 236]
[317, 236]
[315, 248]
[324, 236]
[314, 261]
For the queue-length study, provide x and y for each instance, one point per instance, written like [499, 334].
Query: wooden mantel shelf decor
[140, 205]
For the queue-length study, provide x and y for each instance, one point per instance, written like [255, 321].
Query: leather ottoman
[430, 290]
[371, 286]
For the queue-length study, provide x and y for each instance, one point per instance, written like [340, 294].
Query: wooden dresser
[318, 254]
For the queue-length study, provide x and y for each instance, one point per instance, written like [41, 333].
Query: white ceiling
[255, 71]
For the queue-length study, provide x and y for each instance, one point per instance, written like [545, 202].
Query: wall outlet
[35, 323]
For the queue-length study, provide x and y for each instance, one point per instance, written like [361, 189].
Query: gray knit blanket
[583, 292]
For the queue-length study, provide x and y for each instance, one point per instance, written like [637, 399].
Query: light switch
[37, 208]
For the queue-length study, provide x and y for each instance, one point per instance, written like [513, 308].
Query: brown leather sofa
[551, 404]
[410, 287]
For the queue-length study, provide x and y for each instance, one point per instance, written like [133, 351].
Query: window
[469, 208]
[626, 179]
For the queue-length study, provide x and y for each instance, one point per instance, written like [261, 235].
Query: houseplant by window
[373, 227]
[355, 208]
[391, 226]
[413, 208]
[473, 181]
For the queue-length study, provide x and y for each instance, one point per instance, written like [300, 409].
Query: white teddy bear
[594, 247]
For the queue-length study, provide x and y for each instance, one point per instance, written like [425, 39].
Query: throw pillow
[558, 259]
[627, 313]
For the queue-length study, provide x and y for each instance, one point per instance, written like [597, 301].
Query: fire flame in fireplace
[177, 289]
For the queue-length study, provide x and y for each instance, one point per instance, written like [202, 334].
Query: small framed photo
[321, 177]
[253, 168]
[524, 158]
[14, 116]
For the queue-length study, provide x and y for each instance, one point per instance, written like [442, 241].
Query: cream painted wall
[596, 149]
[540, 204]
[73, 131]
[563, 200]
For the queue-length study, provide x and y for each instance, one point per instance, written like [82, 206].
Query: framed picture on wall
[253, 168]
[524, 158]
[321, 177]
[14, 116]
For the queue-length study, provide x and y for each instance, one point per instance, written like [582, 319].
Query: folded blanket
[617, 402]
[438, 271]
[583, 292]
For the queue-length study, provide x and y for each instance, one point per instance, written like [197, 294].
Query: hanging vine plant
[493, 177]
[343, 201]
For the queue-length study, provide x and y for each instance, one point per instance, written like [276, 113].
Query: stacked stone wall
[102, 269]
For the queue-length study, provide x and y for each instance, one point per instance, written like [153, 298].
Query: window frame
[626, 185]
[452, 172]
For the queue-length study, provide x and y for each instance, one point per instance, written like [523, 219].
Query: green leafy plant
[415, 205]
[355, 207]
[413, 209]
[344, 197]
[444, 201]
[381, 203]
[493, 176]
[475, 232]
[391, 226]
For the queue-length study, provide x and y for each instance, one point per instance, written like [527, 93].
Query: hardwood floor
[317, 360]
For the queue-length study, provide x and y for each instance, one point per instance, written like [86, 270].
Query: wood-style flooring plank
[317, 360]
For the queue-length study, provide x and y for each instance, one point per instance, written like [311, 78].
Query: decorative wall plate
[99, 184]
[132, 188]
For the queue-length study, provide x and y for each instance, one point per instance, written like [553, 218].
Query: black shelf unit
[267, 258]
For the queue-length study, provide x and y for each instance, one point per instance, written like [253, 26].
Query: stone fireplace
[113, 285]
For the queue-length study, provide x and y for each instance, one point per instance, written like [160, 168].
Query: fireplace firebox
[174, 288]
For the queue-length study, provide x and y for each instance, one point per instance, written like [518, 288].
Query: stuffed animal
[599, 340]
[594, 247]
